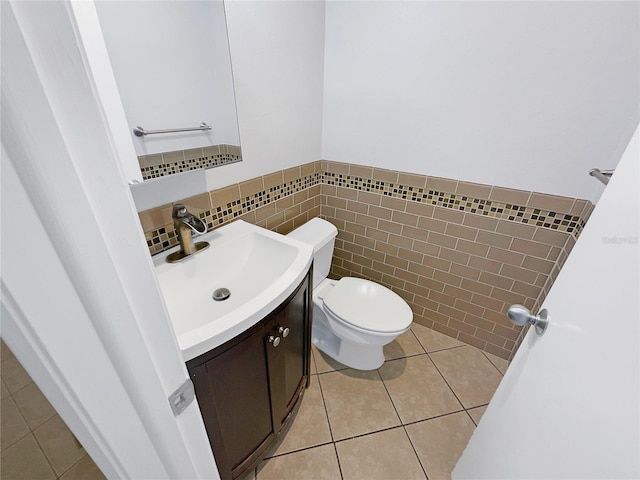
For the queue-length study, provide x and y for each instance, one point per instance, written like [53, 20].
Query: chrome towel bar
[602, 175]
[140, 132]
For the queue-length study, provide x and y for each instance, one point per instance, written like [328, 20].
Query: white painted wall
[277, 51]
[526, 95]
[171, 63]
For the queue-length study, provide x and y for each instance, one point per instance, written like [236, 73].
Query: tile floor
[409, 419]
[36, 443]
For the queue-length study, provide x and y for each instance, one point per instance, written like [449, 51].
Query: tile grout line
[335, 450]
[435, 417]
[360, 435]
[31, 431]
[491, 362]
[445, 380]
[326, 412]
[298, 450]
[473, 408]
[417, 339]
[324, 404]
[470, 418]
[465, 409]
[402, 424]
[446, 349]
[415, 452]
[43, 452]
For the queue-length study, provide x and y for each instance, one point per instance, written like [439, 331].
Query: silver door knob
[521, 315]
[274, 340]
[284, 331]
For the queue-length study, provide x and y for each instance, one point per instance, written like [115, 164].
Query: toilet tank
[321, 235]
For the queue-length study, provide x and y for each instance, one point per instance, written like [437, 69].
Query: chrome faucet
[186, 224]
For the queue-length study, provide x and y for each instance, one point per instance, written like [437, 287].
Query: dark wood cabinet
[249, 387]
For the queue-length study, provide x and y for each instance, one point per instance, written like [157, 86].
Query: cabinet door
[248, 387]
[232, 389]
[289, 361]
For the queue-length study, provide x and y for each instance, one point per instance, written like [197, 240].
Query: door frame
[81, 308]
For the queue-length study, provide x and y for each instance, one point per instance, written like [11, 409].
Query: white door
[80, 305]
[568, 406]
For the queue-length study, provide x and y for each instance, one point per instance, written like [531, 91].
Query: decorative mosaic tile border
[161, 239]
[208, 161]
[516, 213]
[230, 211]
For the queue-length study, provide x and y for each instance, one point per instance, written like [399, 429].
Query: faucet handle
[181, 216]
[179, 211]
[195, 224]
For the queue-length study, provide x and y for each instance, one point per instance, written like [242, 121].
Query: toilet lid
[369, 306]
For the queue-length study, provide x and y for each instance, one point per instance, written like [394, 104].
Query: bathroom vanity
[248, 351]
[249, 387]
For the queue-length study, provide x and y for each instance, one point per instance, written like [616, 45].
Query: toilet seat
[368, 306]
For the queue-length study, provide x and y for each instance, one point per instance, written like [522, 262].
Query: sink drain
[221, 294]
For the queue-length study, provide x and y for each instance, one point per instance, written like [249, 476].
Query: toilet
[353, 318]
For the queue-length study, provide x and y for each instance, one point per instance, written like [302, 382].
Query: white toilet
[353, 318]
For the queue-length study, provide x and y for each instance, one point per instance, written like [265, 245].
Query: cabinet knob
[284, 331]
[274, 340]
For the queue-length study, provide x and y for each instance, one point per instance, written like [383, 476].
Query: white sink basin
[260, 268]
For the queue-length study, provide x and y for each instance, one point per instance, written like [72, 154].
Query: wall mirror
[172, 66]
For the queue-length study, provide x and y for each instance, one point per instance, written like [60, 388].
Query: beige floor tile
[500, 363]
[324, 363]
[13, 375]
[357, 402]
[476, 413]
[417, 389]
[433, 341]
[382, 455]
[468, 372]
[25, 461]
[33, 405]
[59, 444]
[440, 441]
[310, 426]
[314, 464]
[84, 469]
[405, 345]
[5, 390]
[13, 426]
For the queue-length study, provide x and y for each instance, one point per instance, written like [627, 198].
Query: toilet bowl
[353, 318]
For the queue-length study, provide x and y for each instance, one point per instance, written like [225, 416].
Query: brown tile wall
[457, 265]
[280, 201]
[459, 253]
